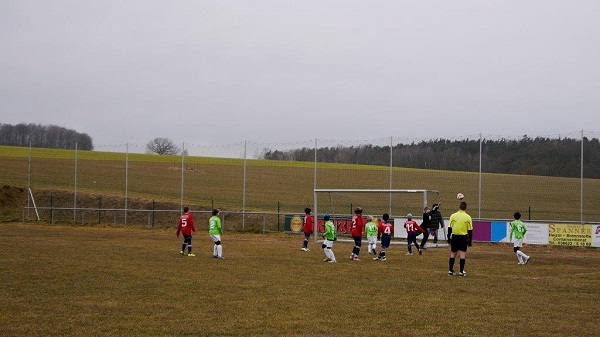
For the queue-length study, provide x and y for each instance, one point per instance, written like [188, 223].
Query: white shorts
[215, 237]
[328, 243]
[371, 240]
[518, 242]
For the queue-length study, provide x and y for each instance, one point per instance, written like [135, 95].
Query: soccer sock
[409, 250]
[326, 253]
[462, 264]
[189, 248]
[332, 255]
[215, 250]
[183, 245]
[451, 264]
[305, 244]
[219, 251]
[357, 251]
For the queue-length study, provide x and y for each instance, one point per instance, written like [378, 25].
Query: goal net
[340, 203]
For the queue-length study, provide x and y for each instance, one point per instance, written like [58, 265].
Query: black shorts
[459, 242]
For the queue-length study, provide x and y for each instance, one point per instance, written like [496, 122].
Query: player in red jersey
[412, 227]
[307, 227]
[357, 231]
[186, 227]
[385, 235]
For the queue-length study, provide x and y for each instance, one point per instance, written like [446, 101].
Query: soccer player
[384, 233]
[425, 225]
[518, 229]
[371, 230]
[186, 227]
[460, 236]
[307, 227]
[436, 221]
[412, 227]
[357, 231]
[330, 236]
[215, 231]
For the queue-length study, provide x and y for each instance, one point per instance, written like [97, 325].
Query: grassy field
[280, 186]
[101, 281]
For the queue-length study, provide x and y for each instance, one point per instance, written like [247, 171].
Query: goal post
[382, 206]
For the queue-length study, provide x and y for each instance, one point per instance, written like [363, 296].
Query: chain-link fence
[102, 184]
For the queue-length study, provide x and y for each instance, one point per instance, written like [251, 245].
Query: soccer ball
[460, 196]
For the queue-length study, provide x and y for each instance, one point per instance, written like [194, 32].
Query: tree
[162, 146]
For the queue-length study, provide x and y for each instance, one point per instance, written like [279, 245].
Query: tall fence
[253, 191]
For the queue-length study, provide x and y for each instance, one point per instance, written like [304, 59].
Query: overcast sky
[219, 72]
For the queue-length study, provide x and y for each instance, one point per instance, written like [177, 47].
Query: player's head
[326, 216]
[370, 218]
[358, 210]
[462, 206]
[517, 215]
[426, 209]
[409, 216]
[307, 210]
[216, 211]
[385, 217]
[186, 209]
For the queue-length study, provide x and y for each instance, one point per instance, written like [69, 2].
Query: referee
[460, 236]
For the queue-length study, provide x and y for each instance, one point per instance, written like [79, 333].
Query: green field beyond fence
[112, 180]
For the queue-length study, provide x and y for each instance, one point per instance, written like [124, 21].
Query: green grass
[284, 186]
[67, 280]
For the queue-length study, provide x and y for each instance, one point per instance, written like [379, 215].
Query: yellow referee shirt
[460, 222]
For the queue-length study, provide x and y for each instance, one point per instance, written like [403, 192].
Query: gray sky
[219, 72]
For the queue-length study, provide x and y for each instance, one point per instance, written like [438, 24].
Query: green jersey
[330, 232]
[517, 228]
[371, 229]
[214, 225]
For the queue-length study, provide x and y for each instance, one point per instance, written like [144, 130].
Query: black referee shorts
[459, 242]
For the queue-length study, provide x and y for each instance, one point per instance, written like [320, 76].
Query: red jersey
[385, 228]
[412, 226]
[186, 224]
[358, 225]
[309, 224]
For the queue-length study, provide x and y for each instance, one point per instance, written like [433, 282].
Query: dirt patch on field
[12, 199]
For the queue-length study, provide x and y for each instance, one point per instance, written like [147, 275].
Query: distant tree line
[44, 136]
[530, 156]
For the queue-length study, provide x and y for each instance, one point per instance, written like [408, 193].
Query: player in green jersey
[330, 236]
[518, 230]
[215, 230]
[371, 231]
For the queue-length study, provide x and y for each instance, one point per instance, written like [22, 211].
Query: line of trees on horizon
[528, 156]
[44, 136]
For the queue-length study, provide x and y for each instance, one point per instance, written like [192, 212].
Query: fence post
[99, 208]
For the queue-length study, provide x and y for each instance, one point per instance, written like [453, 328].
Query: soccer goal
[340, 203]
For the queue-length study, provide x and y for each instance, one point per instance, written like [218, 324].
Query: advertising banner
[570, 235]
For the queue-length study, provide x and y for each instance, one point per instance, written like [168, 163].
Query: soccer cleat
[462, 273]
[332, 261]
[304, 249]
[191, 254]
[383, 258]
[356, 258]
[370, 252]
[376, 258]
[326, 259]
[352, 257]
[521, 263]
[220, 257]
[451, 272]
[527, 259]
[409, 253]
[420, 252]
[181, 252]
[215, 256]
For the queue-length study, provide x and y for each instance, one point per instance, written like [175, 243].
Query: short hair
[307, 210]
[186, 209]
[385, 217]
[517, 215]
[358, 210]
[215, 211]
[462, 206]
